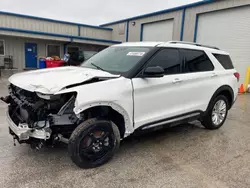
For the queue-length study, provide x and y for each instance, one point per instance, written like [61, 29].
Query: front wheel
[93, 143]
[216, 113]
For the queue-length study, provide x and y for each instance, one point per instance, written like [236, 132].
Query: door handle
[177, 80]
[214, 75]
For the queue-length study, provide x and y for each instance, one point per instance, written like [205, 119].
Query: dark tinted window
[168, 59]
[224, 60]
[196, 61]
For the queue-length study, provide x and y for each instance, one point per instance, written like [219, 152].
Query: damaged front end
[36, 119]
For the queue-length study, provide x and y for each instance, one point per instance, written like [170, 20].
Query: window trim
[47, 45]
[2, 55]
[155, 54]
[184, 60]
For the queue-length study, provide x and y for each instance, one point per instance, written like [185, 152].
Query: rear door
[200, 78]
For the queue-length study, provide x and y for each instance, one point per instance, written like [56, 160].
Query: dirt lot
[184, 156]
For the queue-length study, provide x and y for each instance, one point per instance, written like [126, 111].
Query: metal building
[222, 23]
[24, 39]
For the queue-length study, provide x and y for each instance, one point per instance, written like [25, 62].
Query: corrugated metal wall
[189, 26]
[191, 13]
[15, 48]
[135, 31]
[37, 25]
[34, 36]
[236, 41]
[96, 33]
[119, 31]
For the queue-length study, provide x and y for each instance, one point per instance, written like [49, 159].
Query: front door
[30, 55]
[157, 99]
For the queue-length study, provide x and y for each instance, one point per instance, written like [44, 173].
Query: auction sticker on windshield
[135, 53]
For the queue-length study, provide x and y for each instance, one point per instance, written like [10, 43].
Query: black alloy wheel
[93, 143]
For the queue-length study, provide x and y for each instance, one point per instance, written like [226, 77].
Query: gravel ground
[183, 156]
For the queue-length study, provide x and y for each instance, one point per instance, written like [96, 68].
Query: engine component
[29, 107]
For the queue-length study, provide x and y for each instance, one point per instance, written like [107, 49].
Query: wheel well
[228, 95]
[108, 113]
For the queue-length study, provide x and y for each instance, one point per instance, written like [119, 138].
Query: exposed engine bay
[40, 118]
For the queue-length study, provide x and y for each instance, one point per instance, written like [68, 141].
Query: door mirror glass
[156, 71]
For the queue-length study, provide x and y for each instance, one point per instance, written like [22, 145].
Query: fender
[128, 121]
[219, 90]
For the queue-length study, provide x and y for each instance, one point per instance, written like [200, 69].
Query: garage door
[230, 31]
[158, 31]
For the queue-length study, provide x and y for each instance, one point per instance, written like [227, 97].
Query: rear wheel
[216, 113]
[93, 143]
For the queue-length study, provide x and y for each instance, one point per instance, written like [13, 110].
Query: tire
[93, 143]
[207, 121]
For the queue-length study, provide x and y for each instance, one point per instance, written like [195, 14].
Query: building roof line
[160, 12]
[53, 20]
[58, 35]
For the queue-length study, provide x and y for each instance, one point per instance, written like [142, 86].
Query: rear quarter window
[224, 60]
[196, 61]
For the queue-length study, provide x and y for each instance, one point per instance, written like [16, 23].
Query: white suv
[125, 88]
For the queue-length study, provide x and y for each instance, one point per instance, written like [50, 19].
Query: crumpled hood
[52, 80]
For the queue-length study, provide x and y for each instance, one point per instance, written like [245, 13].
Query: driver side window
[168, 59]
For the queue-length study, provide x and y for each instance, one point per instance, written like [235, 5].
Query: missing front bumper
[23, 132]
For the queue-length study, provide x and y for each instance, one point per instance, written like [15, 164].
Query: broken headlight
[48, 97]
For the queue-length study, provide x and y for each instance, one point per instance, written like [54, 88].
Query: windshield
[116, 59]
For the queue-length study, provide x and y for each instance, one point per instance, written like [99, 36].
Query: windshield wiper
[96, 66]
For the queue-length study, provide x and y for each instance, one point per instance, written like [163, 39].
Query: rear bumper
[23, 132]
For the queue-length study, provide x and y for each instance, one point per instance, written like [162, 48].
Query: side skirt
[171, 122]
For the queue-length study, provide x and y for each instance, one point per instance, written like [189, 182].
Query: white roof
[173, 44]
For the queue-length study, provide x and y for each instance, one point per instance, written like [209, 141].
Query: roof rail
[195, 44]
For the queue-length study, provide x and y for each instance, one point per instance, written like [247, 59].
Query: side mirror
[153, 72]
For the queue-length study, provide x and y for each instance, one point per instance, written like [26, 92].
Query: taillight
[237, 75]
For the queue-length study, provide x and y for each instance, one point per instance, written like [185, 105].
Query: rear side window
[196, 61]
[224, 60]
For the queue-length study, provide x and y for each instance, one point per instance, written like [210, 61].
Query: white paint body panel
[158, 31]
[228, 30]
[116, 93]
[155, 99]
[52, 80]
